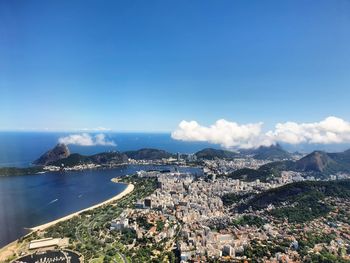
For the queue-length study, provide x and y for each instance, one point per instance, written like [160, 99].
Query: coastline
[8, 250]
[126, 191]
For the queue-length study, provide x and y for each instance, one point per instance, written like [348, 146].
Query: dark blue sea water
[21, 148]
[27, 201]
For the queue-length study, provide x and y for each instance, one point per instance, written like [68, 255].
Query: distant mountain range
[60, 155]
[273, 152]
[318, 163]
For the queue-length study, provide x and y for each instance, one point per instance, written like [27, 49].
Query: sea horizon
[21, 148]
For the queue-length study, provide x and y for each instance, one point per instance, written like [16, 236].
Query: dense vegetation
[148, 154]
[211, 154]
[324, 257]
[100, 158]
[264, 173]
[249, 220]
[310, 240]
[301, 191]
[257, 251]
[142, 222]
[305, 210]
[299, 202]
[72, 160]
[232, 198]
[250, 175]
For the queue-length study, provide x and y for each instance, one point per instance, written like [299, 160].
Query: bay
[31, 200]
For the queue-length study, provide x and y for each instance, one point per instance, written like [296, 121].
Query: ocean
[19, 149]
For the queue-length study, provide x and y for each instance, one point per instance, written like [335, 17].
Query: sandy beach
[10, 248]
[127, 190]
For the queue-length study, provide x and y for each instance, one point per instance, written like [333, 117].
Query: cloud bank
[233, 135]
[227, 134]
[86, 139]
[329, 130]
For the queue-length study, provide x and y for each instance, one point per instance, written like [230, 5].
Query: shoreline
[126, 191]
[43, 172]
[7, 250]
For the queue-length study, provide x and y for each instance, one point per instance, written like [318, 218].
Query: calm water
[22, 148]
[27, 201]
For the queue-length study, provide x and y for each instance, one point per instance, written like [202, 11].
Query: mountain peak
[272, 152]
[60, 151]
[315, 161]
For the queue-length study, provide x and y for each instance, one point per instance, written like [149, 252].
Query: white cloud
[227, 134]
[329, 130]
[86, 139]
[234, 135]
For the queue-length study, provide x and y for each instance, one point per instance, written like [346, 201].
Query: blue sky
[148, 65]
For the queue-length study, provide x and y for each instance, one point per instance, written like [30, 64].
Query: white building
[119, 224]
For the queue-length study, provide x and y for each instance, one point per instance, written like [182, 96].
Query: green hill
[298, 202]
[60, 151]
[316, 161]
[326, 163]
[273, 152]
[249, 175]
[148, 154]
[211, 154]
[100, 158]
[263, 173]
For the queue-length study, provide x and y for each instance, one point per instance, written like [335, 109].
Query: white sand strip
[127, 190]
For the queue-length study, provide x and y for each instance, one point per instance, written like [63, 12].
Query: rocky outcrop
[60, 151]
